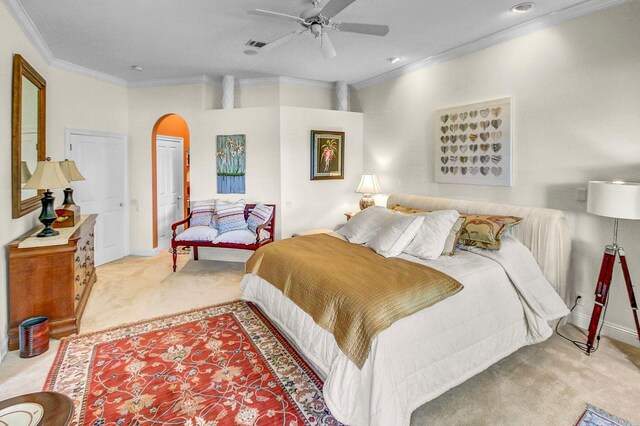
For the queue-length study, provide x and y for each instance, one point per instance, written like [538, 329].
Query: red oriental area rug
[222, 365]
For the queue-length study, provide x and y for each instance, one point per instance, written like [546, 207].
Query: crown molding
[315, 84]
[30, 30]
[258, 81]
[291, 81]
[540, 23]
[158, 82]
[546, 21]
[77, 69]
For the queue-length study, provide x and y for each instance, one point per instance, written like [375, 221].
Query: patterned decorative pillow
[407, 210]
[259, 216]
[484, 231]
[230, 216]
[202, 212]
[454, 234]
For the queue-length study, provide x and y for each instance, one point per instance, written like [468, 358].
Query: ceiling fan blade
[270, 14]
[334, 7]
[281, 40]
[370, 29]
[328, 51]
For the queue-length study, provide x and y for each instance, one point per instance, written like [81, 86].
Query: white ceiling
[174, 39]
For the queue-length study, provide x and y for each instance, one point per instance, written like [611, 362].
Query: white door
[101, 158]
[170, 185]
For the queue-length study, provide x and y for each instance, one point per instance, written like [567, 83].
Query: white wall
[321, 203]
[146, 105]
[576, 97]
[283, 93]
[262, 130]
[72, 101]
[258, 115]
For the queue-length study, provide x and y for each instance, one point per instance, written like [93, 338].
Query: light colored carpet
[545, 384]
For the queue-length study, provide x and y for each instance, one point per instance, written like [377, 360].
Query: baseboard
[223, 254]
[4, 348]
[144, 252]
[615, 331]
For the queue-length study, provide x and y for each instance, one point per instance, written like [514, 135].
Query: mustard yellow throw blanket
[348, 289]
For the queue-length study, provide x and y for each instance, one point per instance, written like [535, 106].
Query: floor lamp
[619, 200]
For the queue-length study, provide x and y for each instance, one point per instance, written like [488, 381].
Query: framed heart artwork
[473, 144]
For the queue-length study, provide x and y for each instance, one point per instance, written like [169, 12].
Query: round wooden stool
[58, 409]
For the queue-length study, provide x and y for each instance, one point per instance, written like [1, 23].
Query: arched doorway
[170, 183]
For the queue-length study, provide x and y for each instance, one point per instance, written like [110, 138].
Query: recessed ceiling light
[393, 60]
[136, 68]
[250, 52]
[522, 7]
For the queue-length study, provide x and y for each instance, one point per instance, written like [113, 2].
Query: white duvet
[425, 354]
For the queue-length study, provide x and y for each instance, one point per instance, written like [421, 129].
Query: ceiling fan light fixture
[137, 68]
[316, 29]
[522, 7]
[394, 60]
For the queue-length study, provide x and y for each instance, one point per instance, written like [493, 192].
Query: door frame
[155, 180]
[127, 214]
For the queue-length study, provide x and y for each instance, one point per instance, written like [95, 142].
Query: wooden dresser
[52, 280]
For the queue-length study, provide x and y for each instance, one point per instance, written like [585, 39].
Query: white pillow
[363, 226]
[198, 233]
[432, 235]
[396, 234]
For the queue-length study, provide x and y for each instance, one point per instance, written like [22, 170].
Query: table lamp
[71, 172]
[47, 176]
[368, 185]
[619, 200]
[69, 212]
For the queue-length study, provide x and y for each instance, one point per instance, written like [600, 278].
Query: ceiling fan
[317, 21]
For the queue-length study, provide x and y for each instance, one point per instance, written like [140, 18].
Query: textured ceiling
[181, 39]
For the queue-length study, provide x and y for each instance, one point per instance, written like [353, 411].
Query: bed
[505, 304]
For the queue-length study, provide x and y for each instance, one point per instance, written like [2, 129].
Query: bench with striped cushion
[232, 236]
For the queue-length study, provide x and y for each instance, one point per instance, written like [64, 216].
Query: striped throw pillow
[259, 216]
[230, 216]
[202, 212]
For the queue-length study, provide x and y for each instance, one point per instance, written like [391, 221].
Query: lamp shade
[24, 172]
[47, 175]
[616, 199]
[368, 184]
[70, 170]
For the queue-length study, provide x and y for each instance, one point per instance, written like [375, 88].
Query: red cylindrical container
[33, 336]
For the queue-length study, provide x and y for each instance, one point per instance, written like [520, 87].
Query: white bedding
[423, 355]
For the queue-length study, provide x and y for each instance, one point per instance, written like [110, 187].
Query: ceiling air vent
[256, 44]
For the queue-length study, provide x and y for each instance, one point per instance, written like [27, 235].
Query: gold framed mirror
[28, 133]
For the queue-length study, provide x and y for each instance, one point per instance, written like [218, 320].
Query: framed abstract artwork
[473, 144]
[327, 155]
[231, 163]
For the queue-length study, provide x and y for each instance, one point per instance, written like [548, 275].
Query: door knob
[121, 204]
[179, 197]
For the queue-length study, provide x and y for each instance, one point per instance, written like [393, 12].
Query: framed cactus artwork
[327, 155]
[231, 163]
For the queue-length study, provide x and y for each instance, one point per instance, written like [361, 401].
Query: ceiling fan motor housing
[316, 29]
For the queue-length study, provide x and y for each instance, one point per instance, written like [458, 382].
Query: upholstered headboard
[544, 231]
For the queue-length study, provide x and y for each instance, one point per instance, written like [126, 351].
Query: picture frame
[327, 155]
[231, 163]
[474, 143]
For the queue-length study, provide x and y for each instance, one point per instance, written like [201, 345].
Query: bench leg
[195, 252]
[174, 254]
